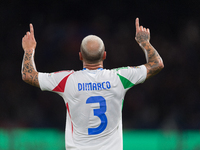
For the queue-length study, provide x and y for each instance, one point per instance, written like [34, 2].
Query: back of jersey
[94, 102]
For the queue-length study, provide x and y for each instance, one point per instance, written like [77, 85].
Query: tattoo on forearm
[154, 59]
[154, 64]
[29, 72]
[27, 57]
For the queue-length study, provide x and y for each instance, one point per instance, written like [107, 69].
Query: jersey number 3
[99, 113]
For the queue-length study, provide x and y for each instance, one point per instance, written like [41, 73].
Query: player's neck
[93, 66]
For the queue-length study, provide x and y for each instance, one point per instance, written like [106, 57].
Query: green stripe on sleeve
[125, 82]
[122, 103]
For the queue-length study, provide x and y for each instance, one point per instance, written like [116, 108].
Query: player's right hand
[28, 41]
[142, 34]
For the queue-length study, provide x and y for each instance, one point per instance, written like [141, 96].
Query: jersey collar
[97, 69]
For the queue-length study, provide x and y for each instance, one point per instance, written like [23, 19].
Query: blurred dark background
[170, 100]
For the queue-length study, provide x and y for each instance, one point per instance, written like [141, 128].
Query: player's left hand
[28, 41]
[142, 34]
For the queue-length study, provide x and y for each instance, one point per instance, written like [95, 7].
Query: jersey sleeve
[131, 76]
[52, 81]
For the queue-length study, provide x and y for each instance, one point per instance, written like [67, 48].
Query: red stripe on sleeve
[69, 115]
[61, 86]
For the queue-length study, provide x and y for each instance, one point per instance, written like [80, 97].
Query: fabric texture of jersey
[94, 100]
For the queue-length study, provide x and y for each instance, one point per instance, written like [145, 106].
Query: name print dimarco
[94, 86]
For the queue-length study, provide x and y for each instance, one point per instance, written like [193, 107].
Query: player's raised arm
[29, 72]
[154, 61]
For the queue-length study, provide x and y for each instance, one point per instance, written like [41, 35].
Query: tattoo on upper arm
[23, 76]
[35, 81]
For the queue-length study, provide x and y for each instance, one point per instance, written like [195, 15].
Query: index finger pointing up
[137, 24]
[31, 29]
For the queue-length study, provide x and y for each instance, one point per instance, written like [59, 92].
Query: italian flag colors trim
[125, 82]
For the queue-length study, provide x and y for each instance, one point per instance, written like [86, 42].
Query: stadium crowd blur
[170, 100]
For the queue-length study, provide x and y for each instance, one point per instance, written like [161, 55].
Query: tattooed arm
[29, 72]
[154, 61]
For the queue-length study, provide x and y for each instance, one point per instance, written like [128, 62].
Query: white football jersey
[94, 100]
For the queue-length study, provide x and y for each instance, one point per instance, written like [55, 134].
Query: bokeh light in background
[168, 101]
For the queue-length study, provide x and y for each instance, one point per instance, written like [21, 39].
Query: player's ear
[80, 56]
[104, 55]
